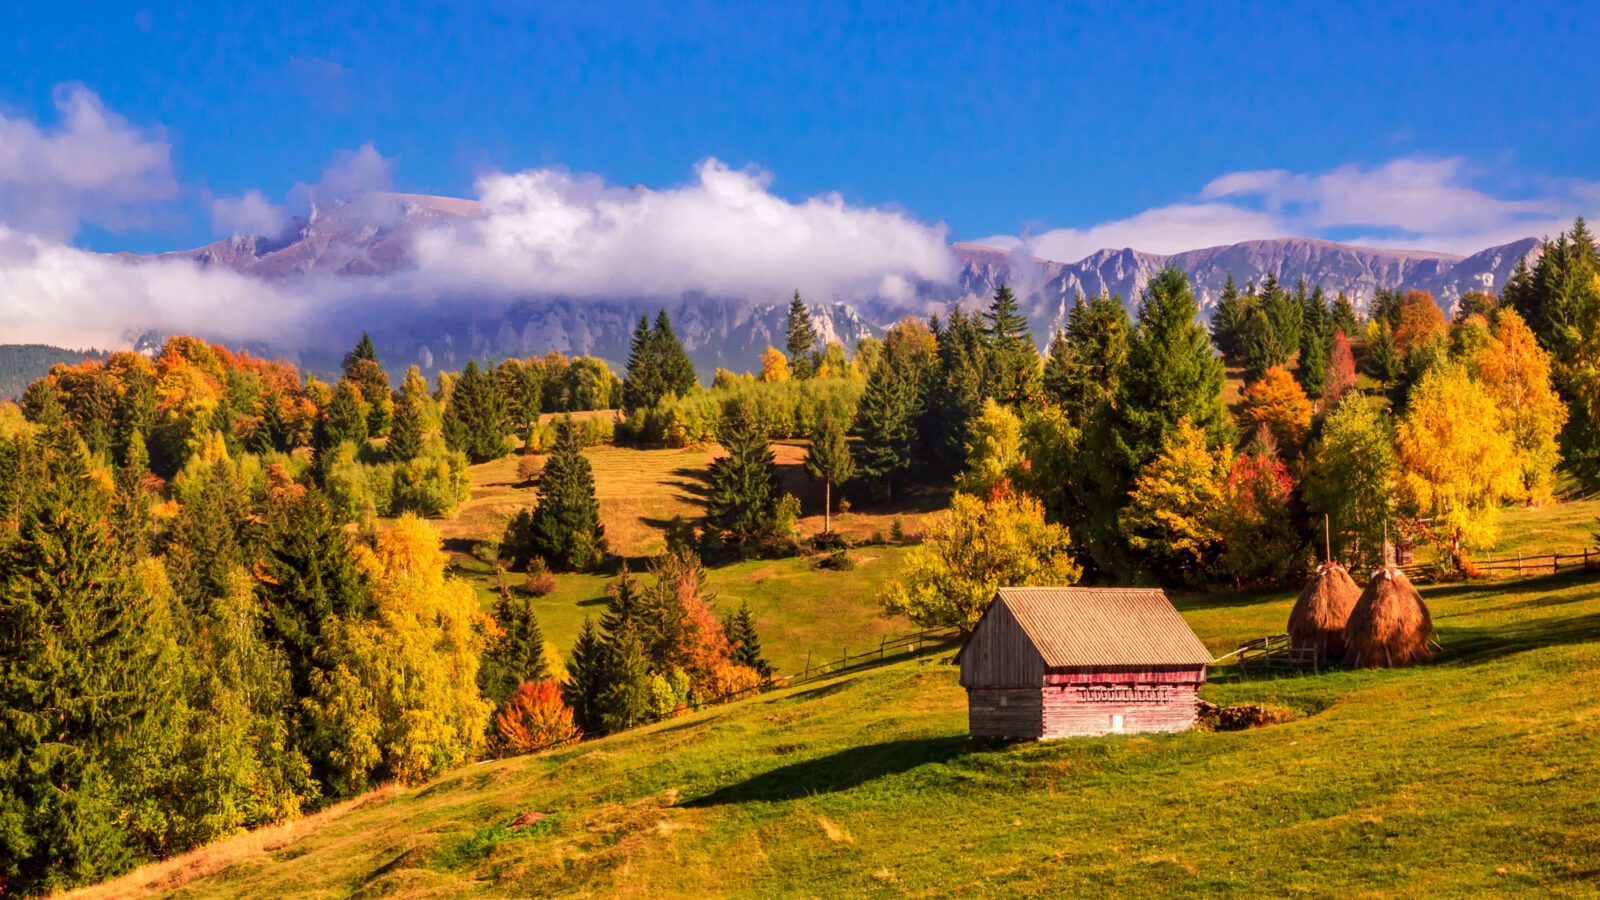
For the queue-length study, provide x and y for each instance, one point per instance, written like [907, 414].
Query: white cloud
[93, 167]
[54, 293]
[1411, 202]
[547, 231]
[247, 214]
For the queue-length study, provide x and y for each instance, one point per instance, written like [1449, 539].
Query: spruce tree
[1345, 318]
[1232, 309]
[677, 371]
[1087, 360]
[344, 419]
[588, 677]
[308, 578]
[828, 460]
[957, 393]
[86, 682]
[744, 484]
[363, 350]
[564, 527]
[625, 697]
[1260, 345]
[885, 425]
[1013, 357]
[476, 421]
[802, 339]
[741, 633]
[516, 654]
[405, 435]
[643, 383]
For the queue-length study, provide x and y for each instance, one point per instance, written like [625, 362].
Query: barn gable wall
[1000, 654]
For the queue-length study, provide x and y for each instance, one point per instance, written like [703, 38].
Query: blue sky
[1004, 120]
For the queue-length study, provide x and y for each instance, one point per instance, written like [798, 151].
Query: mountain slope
[1468, 775]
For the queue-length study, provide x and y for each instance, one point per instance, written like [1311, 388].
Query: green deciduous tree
[828, 460]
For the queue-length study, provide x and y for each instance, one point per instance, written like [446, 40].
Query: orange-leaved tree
[1277, 403]
[535, 718]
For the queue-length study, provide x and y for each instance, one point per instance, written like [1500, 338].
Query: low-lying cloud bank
[1411, 203]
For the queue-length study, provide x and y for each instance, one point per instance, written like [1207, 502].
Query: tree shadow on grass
[842, 771]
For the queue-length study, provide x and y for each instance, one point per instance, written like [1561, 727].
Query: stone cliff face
[372, 236]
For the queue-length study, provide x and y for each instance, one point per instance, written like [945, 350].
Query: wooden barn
[1048, 662]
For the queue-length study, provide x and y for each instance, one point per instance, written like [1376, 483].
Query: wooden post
[808, 665]
[1327, 540]
[1519, 563]
[880, 647]
[1555, 563]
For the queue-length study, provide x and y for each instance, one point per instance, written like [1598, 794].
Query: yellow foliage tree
[1515, 371]
[774, 365]
[972, 550]
[1171, 516]
[1457, 465]
[994, 453]
[1277, 401]
[402, 698]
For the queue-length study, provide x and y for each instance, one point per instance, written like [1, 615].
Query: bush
[783, 409]
[838, 561]
[540, 582]
[529, 467]
[829, 540]
[433, 484]
[486, 551]
[535, 718]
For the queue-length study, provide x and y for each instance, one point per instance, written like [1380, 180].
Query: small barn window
[1003, 699]
[1116, 723]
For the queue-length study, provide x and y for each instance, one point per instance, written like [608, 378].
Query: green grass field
[1472, 774]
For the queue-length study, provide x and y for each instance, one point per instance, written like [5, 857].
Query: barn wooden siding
[1084, 704]
[1000, 653]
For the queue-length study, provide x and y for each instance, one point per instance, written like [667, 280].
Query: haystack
[1389, 626]
[1316, 624]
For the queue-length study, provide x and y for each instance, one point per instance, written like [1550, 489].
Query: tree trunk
[827, 503]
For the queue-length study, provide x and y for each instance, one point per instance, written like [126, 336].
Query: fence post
[808, 665]
[881, 640]
[1555, 563]
[1519, 563]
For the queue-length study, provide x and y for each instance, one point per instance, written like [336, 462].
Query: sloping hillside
[1471, 774]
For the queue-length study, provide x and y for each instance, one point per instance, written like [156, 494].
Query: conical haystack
[1316, 623]
[1389, 626]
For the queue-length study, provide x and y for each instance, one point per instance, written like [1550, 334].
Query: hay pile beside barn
[1389, 625]
[1317, 622]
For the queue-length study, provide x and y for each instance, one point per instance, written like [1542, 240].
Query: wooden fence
[1520, 566]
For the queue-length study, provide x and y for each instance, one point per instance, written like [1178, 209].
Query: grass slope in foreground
[1472, 774]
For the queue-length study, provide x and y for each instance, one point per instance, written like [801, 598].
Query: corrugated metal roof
[1075, 626]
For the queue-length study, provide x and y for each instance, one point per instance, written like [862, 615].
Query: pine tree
[1344, 316]
[624, 700]
[744, 483]
[885, 424]
[588, 675]
[1233, 308]
[956, 394]
[741, 632]
[344, 420]
[802, 339]
[86, 682]
[406, 433]
[1087, 359]
[1383, 360]
[677, 371]
[828, 460]
[625, 601]
[476, 421]
[364, 350]
[642, 383]
[308, 577]
[516, 653]
[1260, 346]
[1316, 341]
[564, 527]
[1014, 365]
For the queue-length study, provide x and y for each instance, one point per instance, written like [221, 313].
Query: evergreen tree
[884, 424]
[1013, 356]
[588, 675]
[271, 433]
[516, 653]
[564, 527]
[364, 350]
[643, 383]
[1173, 374]
[1261, 348]
[956, 394]
[476, 420]
[802, 339]
[677, 371]
[308, 578]
[625, 603]
[1383, 361]
[1316, 341]
[741, 632]
[828, 460]
[744, 483]
[344, 420]
[625, 697]
[1087, 359]
[406, 433]
[1232, 309]
[85, 681]
[1344, 317]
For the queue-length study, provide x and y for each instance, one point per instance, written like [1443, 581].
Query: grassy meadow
[1471, 774]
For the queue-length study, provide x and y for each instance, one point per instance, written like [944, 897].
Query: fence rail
[1519, 566]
